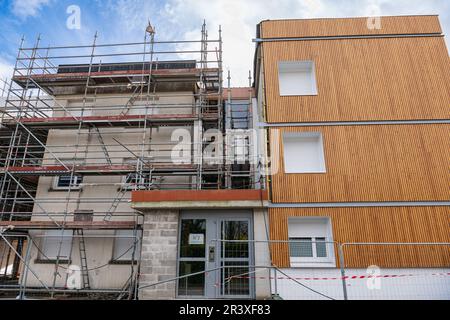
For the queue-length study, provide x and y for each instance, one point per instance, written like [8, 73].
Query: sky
[125, 21]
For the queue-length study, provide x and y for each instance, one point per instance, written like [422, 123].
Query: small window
[297, 78]
[51, 243]
[310, 242]
[124, 245]
[308, 247]
[303, 152]
[64, 182]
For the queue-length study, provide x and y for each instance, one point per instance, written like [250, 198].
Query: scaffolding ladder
[103, 146]
[83, 259]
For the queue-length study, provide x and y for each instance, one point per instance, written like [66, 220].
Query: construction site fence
[394, 271]
[300, 269]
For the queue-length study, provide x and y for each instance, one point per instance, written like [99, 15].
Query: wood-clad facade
[405, 162]
[293, 28]
[387, 93]
[363, 79]
[375, 224]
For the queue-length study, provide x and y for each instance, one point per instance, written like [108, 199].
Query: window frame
[314, 261]
[313, 241]
[55, 183]
[298, 66]
[74, 187]
[322, 166]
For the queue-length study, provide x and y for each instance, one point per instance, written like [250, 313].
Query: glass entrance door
[192, 257]
[214, 248]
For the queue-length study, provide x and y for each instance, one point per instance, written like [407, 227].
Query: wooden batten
[387, 224]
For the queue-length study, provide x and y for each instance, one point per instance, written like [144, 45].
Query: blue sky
[125, 20]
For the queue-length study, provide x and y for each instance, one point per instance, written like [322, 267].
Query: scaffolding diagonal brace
[32, 198]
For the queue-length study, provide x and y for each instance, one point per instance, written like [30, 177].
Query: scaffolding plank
[93, 225]
[108, 121]
[192, 74]
[92, 169]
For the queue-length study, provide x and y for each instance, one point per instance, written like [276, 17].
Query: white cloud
[26, 8]
[6, 69]
[239, 18]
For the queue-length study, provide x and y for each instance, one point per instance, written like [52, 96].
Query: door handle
[211, 253]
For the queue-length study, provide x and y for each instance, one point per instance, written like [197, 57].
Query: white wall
[262, 255]
[421, 285]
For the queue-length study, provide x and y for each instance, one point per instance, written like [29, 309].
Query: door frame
[216, 216]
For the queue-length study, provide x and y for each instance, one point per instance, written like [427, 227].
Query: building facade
[326, 178]
[358, 120]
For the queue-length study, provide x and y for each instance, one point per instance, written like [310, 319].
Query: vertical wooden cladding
[380, 224]
[367, 79]
[297, 28]
[372, 163]
[363, 79]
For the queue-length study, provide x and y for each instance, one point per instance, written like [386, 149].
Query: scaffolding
[83, 126]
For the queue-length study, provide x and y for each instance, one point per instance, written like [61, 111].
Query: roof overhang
[198, 199]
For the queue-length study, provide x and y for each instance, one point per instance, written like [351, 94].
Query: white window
[303, 152]
[51, 242]
[310, 242]
[297, 78]
[64, 182]
[125, 243]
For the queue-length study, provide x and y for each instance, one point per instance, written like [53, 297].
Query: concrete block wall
[159, 254]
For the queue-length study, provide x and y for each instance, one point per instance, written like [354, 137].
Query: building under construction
[83, 127]
[135, 170]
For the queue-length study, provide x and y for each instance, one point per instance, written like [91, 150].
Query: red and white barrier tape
[346, 277]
